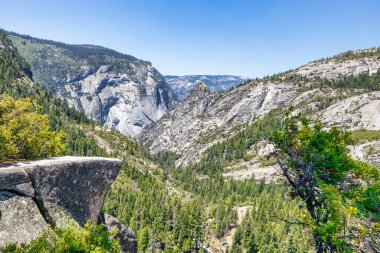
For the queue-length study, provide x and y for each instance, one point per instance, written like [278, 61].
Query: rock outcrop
[34, 195]
[127, 238]
[357, 112]
[343, 65]
[71, 187]
[20, 219]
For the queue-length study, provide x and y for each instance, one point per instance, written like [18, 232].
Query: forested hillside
[174, 211]
[193, 206]
[225, 137]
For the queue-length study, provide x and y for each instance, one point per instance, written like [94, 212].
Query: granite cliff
[115, 89]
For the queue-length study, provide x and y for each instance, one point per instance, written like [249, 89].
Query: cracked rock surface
[20, 219]
[53, 191]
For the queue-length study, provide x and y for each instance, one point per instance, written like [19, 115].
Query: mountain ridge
[182, 85]
[309, 89]
[115, 89]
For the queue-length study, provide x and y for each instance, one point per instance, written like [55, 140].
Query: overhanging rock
[52, 191]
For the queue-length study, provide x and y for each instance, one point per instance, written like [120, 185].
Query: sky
[250, 38]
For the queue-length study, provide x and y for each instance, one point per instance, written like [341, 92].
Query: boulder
[128, 241]
[55, 191]
[20, 219]
[71, 188]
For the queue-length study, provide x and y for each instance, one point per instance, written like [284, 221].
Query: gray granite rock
[71, 188]
[203, 119]
[117, 90]
[128, 241]
[16, 180]
[20, 219]
[53, 191]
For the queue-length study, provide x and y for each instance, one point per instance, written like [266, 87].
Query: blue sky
[242, 37]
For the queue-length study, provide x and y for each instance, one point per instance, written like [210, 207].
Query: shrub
[25, 134]
[84, 240]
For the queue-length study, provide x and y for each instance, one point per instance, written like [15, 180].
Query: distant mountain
[115, 89]
[233, 126]
[182, 85]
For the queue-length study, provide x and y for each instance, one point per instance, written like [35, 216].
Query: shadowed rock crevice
[127, 238]
[40, 205]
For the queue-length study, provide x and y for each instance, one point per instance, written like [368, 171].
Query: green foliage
[224, 218]
[168, 221]
[267, 161]
[62, 118]
[25, 134]
[316, 163]
[370, 202]
[12, 65]
[80, 144]
[362, 136]
[166, 159]
[361, 81]
[273, 225]
[89, 239]
[159, 219]
[119, 142]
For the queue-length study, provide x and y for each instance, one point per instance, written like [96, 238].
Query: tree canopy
[340, 194]
[24, 133]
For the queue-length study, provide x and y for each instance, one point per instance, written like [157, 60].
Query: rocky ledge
[54, 192]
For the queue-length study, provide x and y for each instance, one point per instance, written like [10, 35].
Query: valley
[197, 174]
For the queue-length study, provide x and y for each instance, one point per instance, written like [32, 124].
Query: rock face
[117, 90]
[183, 85]
[185, 129]
[52, 191]
[16, 180]
[358, 112]
[72, 187]
[204, 119]
[343, 65]
[128, 241]
[20, 219]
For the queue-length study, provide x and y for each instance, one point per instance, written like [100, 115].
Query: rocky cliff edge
[54, 192]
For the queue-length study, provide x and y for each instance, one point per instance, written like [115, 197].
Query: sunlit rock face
[205, 118]
[56, 192]
[115, 89]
